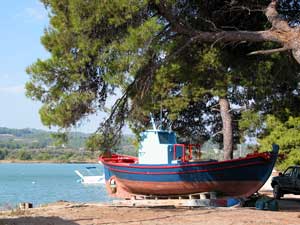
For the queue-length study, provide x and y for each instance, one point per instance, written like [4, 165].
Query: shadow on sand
[36, 221]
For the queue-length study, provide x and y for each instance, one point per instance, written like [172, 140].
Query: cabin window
[166, 138]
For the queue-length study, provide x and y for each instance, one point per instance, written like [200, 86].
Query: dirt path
[97, 214]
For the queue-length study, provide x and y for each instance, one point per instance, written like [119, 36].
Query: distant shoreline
[47, 161]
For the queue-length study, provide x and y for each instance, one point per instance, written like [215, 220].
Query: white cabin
[156, 147]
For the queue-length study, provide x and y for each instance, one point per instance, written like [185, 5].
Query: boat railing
[187, 151]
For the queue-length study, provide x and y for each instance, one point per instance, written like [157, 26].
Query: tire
[277, 192]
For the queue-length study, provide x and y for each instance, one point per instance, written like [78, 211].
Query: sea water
[41, 183]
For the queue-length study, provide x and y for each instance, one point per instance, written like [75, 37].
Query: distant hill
[33, 138]
[29, 138]
[38, 145]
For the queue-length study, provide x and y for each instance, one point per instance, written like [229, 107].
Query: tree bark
[227, 128]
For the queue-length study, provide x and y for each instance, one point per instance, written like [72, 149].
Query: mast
[152, 121]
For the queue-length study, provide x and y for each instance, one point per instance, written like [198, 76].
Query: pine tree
[196, 49]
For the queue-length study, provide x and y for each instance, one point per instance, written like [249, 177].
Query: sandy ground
[64, 213]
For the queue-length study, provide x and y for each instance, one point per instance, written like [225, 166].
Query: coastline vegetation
[32, 145]
[47, 155]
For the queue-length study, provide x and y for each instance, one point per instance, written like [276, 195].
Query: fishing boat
[164, 167]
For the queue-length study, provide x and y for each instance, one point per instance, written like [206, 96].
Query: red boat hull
[126, 188]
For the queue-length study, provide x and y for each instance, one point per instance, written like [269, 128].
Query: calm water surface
[44, 183]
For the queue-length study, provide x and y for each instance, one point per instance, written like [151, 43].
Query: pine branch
[270, 51]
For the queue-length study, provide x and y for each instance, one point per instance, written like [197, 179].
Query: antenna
[152, 121]
[170, 125]
[160, 118]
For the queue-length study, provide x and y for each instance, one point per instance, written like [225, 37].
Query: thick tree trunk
[227, 128]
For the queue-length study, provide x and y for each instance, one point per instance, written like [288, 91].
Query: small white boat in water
[89, 176]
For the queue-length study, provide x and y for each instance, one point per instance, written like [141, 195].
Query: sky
[22, 23]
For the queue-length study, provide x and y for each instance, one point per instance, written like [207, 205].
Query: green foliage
[137, 47]
[65, 157]
[250, 123]
[59, 138]
[94, 142]
[32, 144]
[82, 38]
[286, 135]
[23, 155]
[3, 154]
[292, 158]
[43, 156]
[126, 145]
[39, 139]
